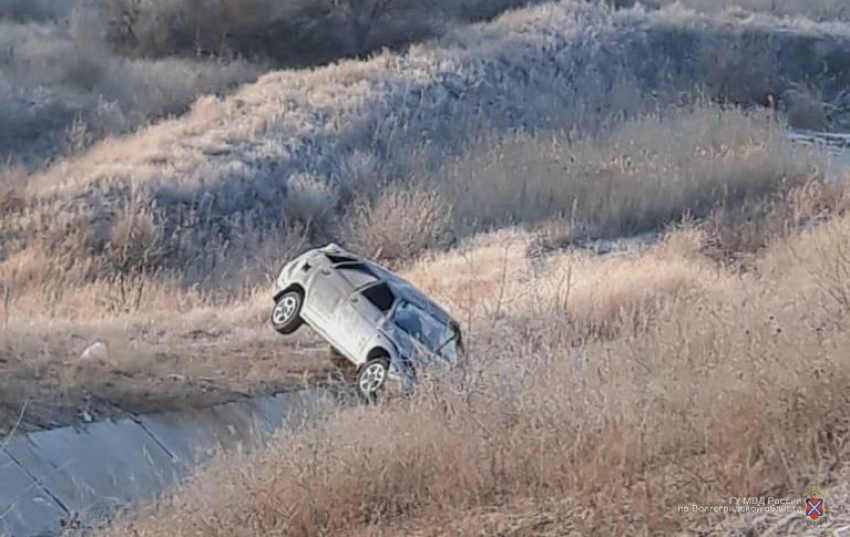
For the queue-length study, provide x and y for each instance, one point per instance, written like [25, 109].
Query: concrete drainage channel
[49, 479]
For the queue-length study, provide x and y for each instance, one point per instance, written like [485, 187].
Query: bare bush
[12, 183]
[400, 223]
[735, 233]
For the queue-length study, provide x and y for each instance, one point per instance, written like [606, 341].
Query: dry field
[652, 279]
[171, 345]
[602, 393]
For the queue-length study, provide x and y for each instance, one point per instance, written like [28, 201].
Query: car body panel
[334, 282]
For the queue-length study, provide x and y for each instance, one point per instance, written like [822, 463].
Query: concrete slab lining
[92, 471]
[25, 506]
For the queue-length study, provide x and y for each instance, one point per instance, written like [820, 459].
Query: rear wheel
[372, 377]
[286, 315]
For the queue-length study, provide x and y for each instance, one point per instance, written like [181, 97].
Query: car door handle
[353, 299]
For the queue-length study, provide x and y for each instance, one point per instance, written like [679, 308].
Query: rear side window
[358, 275]
[336, 259]
[381, 296]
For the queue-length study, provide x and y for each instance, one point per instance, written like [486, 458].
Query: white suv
[382, 324]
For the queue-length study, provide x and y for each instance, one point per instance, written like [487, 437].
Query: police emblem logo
[815, 507]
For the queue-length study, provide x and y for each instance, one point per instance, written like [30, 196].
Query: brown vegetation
[505, 170]
[291, 33]
[706, 384]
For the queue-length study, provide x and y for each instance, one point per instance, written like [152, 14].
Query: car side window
[358, 275]
[420, 325]
[381, 296]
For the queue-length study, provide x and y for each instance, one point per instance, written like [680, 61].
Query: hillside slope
[297, 145]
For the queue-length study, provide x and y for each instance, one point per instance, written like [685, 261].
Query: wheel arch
[292, 287]
[379, 351]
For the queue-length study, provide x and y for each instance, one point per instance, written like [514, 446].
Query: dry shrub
[311, 200]
[832, 270]
[735, 234]
[806, 108]
[401, 223]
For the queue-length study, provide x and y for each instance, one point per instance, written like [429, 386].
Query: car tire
[372, 377]
[286, 314]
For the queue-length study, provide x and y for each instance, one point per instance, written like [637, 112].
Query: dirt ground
[47, 380]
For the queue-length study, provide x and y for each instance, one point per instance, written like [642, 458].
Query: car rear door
[350, 322]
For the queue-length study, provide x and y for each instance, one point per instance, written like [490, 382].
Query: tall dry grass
[638, 176]
[719, 385]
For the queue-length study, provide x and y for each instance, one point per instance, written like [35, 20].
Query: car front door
[356, 321]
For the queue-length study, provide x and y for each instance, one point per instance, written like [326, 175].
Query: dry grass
[292, 33]
[636, 177]
[76, 278]
[703, 361]
[820, 10]
[701, 394]
[62, 89]
[292, 145]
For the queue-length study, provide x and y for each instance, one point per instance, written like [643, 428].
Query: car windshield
[425, 328]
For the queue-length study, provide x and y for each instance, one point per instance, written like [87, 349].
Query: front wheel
[286, 315]
[372, 377]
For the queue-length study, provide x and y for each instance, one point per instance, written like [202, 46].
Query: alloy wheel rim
[285, 310]
[372, 378]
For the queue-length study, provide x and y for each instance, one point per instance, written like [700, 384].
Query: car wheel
[372, 377]
[286, 315]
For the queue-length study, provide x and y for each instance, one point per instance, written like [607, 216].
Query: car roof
[403, 289]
